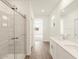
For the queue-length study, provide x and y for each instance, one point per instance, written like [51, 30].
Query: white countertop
[69, 46]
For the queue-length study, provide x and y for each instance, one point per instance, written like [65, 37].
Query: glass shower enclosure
[12, 35]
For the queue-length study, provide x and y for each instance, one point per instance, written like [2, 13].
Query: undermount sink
[71, 46]
[67, 46]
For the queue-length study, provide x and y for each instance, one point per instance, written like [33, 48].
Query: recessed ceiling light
[4, 17]
[42, 10]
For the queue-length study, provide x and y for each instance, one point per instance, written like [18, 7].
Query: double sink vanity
[63, 49]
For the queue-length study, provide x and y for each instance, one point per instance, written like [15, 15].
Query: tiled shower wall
[5, 14]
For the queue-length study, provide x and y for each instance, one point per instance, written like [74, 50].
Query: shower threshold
[17, 56]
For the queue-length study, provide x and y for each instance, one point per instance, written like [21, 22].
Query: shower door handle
[14, 38]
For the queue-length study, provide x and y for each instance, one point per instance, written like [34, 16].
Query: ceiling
[46, 5]
[37, 6]
[20, 4]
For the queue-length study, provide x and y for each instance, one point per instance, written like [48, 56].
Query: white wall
[29, 27]
[46, 26]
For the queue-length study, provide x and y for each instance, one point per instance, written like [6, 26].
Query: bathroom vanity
[63, 49]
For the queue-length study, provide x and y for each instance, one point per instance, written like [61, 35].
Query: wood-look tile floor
[40, 51]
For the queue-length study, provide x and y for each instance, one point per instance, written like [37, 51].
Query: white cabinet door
[53, 49]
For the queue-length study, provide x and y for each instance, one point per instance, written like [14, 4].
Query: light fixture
[42, 10]
[4, 25]
[53, 17]
[61, 26]
[4, 17]
[52, 21]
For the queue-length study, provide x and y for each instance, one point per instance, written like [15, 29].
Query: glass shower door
[12, 40]
[19, 41]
